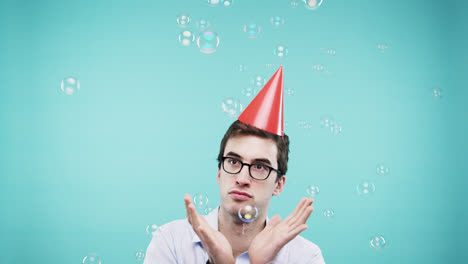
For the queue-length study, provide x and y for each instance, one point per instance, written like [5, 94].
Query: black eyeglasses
[257, 171]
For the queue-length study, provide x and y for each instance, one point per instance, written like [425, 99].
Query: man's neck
[239, 234]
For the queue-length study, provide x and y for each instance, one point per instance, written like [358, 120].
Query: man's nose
[243, 177]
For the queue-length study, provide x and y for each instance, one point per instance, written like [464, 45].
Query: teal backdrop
[86, 173]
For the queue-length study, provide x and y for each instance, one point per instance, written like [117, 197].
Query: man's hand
[216, 245]
[266, 245]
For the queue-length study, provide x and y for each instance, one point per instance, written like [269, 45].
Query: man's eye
[233, 161]
[260, 167]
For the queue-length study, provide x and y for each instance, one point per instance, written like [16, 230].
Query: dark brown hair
[282, 143]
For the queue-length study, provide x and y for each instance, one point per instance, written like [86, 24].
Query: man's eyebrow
[266, 161]
[230, 153]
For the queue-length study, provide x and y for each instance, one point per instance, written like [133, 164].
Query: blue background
[87, 173]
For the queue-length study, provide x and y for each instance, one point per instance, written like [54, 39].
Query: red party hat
[266, 109]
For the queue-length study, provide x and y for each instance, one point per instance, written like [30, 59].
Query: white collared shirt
[176, 242]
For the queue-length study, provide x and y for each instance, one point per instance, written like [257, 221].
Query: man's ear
[279, 185]
[219, 175]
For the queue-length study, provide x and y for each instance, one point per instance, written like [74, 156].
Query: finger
[303, 218]
[305, 208]
[187, 200]
[192, 214]
[292, 218]
[297, 230]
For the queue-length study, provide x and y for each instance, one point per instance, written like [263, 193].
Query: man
[252, 166]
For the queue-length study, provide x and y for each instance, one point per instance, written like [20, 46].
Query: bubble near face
[365, 188]
[232, 107]
[69, 86]
[281, 51]
[312, 191]
[151, 230]
[377, 242]
[183, 20]
[312, 4]
[208, 42]
[186, 38]
[91, 259]
[252, 30]
[248, 213]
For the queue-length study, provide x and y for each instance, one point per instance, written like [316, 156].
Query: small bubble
[200, 200]
[248, 213]
[377, 242]
[312, 191]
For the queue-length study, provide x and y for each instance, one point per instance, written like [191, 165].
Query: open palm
[266, 245]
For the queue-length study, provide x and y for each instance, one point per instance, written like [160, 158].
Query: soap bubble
[213, 3]
[312, 4]
[228, 3]
[183, 20]
[327, 51]
[365, 188]
[252, 30]
[277, 21]
[318, 67]
[294, 3]
[335, 129]
[186, 38]
[382, 170]
[281, 51]
[208, 42]
[200, 200]
[382, 47]
[329, 213]
[326, 121]
[208, 210]
[91, 259]
[258, 81]
[304, 124]
[377, 242]
[290, 91]
[151, 230]
[248, 213]
[140, 255]
[312, 191]
[242, 68]
[202, 24]
[70, 86]
[437, 93]
[232, 107]
[248, 91]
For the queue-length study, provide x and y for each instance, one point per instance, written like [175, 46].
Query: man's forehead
[251, 148]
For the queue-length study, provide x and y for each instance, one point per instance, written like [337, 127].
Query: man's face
[249, 149]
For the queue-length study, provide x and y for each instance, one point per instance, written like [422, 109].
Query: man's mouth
[238, 195]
